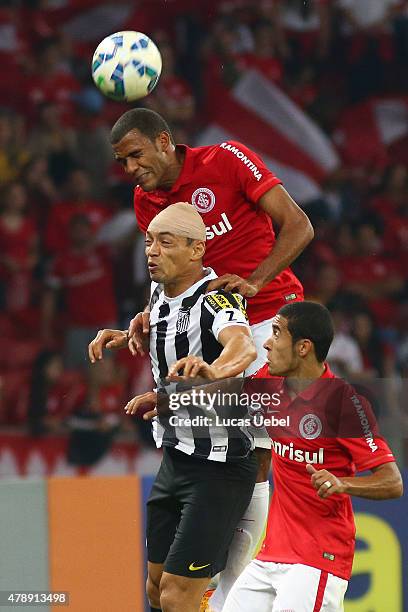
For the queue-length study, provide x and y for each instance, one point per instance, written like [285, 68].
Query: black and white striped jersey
[190, 324]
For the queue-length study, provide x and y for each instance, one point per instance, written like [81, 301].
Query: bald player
[208, 472]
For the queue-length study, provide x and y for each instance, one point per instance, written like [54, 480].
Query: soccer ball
[126, 66]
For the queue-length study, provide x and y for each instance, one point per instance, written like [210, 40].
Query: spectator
[368, 44]
[370, 274]
[52, 396]
[92, 134]
[95, 423]
[19, 252]
[326, 285]
[107, 393]
[344, 357]
[50, 139]
[378, 356]
[52, 81]
[82, 272]
[304, 28]
[41, 190]
[13, 151]
[263, 57]
[78, 201]
[393, 191]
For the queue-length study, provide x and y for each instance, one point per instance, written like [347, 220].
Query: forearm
[237, 355]
[291, 241]
[378, 485]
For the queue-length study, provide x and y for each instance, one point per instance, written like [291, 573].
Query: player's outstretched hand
[106, 338]
[324, 482]
[232, 282]
[142, 400]
[192, 367]
[139, 329]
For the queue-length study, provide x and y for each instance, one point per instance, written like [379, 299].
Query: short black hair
[148, 122]
[311, 321]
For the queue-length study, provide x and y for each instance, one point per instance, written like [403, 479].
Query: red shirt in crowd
[57, 231]
[87, 279]
[224, 183]
[368, 270]
[302, 527]
[17, 244]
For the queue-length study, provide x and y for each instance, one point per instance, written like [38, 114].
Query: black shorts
[193, 510]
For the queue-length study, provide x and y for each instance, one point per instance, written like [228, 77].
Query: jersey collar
[314, 388]
[209, 275]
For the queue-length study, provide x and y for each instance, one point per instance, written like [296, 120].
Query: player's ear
[305, 346]
[198, 249]
[163, 141]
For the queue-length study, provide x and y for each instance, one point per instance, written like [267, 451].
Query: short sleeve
[249, 171]
[227, 309]
[361, 437]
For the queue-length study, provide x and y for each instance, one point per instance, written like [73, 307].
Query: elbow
[308, 231]
[396, 489]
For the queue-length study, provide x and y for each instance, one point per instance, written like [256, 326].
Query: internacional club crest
[310, 426]
[203, 199]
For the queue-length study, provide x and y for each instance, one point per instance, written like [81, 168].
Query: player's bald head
[180, 219]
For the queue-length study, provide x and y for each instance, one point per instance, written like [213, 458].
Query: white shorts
[264, 586]
[260, 333]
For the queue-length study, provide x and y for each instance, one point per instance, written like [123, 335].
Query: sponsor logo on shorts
[219, 449]
[329, 556]
[203, 199]
[194, 568]
[310, 426]
[290, 297]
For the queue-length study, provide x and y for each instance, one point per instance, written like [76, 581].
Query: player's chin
[156, 275]
[148, 182]
[276, 370]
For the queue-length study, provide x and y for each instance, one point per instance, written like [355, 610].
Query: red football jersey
[224, 183]
[302, 527]
[57, 231]
[84, 276]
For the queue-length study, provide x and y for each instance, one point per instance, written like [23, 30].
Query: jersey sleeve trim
[225, 325]
[265, 186]
[375, 462]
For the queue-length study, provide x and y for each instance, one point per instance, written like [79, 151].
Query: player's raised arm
[295, 233]
[238, 353]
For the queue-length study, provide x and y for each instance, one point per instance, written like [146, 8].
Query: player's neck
[180, 285]
[173, 170]
[304, 375]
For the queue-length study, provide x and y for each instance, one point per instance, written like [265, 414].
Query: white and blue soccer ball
[126, 66]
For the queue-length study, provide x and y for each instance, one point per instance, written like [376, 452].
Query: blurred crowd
[71, 257]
